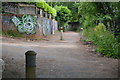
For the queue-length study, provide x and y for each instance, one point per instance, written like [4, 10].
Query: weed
[105, 40]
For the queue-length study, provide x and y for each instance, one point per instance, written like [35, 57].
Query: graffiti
[49, 26]
[16, 21]
[44, 23]
[26, 24]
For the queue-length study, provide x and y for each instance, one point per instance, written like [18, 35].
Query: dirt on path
[69, 58]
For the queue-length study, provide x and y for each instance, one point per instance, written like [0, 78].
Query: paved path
[57, 59]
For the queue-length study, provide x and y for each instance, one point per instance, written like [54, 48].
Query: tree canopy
[63, 15]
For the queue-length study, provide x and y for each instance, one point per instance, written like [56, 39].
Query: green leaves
[63, 15]
[42, 4]
[85, 8]
[105, 41]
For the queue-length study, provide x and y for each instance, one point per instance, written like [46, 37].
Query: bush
[104, 39]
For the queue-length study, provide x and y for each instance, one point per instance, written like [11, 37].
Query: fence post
[30, 64]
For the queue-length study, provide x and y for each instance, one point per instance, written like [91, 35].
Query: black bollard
[30, 64]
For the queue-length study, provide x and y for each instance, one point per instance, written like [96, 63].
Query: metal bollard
[30, 64]
[61, 35]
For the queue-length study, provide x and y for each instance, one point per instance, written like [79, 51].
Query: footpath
[70, 58]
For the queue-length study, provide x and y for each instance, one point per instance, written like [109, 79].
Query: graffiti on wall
[45, 28]
[26, 24]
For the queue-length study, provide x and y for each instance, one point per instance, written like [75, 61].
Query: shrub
[104, 39]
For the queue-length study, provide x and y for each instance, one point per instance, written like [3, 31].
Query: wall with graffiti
[29, 24]
[47, 26]
[27, 21]
[26, 24]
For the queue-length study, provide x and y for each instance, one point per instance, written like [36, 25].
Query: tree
[63, 15]
[93, 13]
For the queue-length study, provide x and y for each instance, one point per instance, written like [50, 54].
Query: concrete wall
[32, 25]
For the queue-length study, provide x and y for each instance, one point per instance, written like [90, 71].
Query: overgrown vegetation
[42, 4]
[105, 40]
[101, 24]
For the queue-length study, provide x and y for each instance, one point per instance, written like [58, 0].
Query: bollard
[30, 64]
[61, 36]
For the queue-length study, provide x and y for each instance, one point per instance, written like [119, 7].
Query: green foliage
[74, 10]
[93, 13]
[89, 21]
[70, 6]
[86, 14]
[54, 12]
[42, 4]
[63, 15]
[85, 8]
[104, 39]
